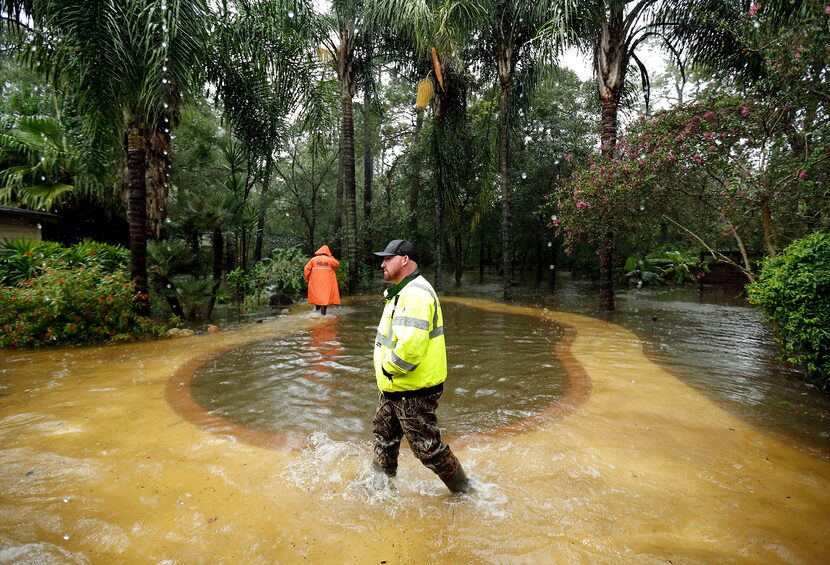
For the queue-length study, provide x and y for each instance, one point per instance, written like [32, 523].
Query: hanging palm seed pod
[425, 92]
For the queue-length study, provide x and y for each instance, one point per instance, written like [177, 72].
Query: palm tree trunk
[504, 181]
[136, 169]
[415, 179]
[349, 189]
[337, 244]
[606, 250]
[158, 160]
[263, 205]
[218, 249]
[368, 177]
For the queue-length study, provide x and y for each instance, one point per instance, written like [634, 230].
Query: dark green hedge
[793, 288]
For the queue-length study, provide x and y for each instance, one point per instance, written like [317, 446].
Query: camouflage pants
[415, 419]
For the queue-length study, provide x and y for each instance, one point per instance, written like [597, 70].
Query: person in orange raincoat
[322, 280]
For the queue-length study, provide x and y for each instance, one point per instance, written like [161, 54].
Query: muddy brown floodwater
[145, 453]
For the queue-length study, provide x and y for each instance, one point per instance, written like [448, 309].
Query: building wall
[14, 228]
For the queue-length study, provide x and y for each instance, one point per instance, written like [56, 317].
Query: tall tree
[614, 31]
[343, 43]
[263, 66]
[436, 32]
[511, 28]
[130, 64]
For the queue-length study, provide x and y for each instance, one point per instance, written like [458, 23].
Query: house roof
[12, 212]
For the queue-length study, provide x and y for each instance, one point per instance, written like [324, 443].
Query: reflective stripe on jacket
[410, 352]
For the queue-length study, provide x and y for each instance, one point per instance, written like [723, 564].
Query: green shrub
[74, 305]
[22, 259]
[793, 288]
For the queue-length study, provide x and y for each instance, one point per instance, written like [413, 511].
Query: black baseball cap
[399, 247]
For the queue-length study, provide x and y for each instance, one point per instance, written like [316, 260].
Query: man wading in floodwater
[410, 368]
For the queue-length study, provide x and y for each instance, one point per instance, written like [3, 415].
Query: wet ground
[109, 455]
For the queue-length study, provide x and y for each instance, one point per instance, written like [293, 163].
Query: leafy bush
[793, 288]
[22, 259]
[71, 304]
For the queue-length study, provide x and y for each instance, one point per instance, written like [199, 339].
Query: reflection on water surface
[323, 381]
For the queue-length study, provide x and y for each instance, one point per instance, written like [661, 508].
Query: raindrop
[164, 68]
[166, 105]
[168, 285]
[168, 220]
[550, 244]
[164, 81]
[42, 158]
[290, 14]
[524, 175]
[287, 214]
[165, 152]
[164, 45]
[756, 25]
[642, 208]
[551, 267]
[39, 226]
[42, 177]
[66, 537]
[66, 500]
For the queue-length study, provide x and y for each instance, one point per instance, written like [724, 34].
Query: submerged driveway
[97, 466]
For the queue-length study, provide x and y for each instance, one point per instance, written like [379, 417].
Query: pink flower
[798, 52]
[581, 204]
[827, 10]
[744, 111]
[802, 175]
[754, 9]
[709, 115]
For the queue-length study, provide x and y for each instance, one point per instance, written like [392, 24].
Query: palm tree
[130, 64]
[612, 30]
[263, 67]
[511, 28]
[436, 32]
[343, 44]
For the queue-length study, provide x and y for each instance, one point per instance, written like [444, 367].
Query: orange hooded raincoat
[322, 280]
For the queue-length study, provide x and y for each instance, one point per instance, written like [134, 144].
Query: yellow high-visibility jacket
[410, 352]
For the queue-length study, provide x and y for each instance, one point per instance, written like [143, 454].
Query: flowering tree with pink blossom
[749, 161]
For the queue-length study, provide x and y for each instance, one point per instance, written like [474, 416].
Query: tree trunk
[218, 259]
[766, 222]
[611, 59]
[610, 107]
[263, 205]
[504, 181]
[347, 155]
[158, 161]
[136, 169]
[459, 260]
[337, 244]
[415, 179]
[368, 177]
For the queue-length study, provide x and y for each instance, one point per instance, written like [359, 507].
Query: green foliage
[281, 273]
[675, 265]
[643, 271]
[22, 259]
[71, 305]
[793, 288]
